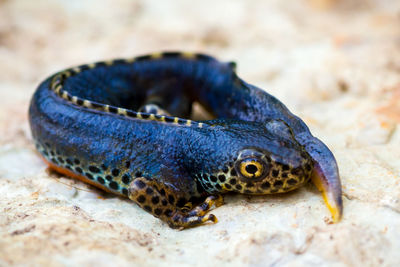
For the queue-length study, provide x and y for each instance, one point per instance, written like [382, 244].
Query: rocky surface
[336, 64]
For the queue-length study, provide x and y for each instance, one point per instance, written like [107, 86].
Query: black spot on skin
[88, 175]
[140, 184]
[69, 161]
[148, 208]
[45, 153]
[158, 211]
[275, 173]
[238, 187]
[200, 189]
[295, 171]
[228, 186]
[213, 179]
[127, 164]
[278, 184]
[205, 176]
[249, 184]
[207, 185]
[155, 200]
[109, 178]
[101, 180]
[145, 116]
[104, 167]
[266, 185]
[114, 185]
[247, 191]
[77, 161]
[169, 119]
[181, 202]
[308, 167]
[138, 174]
[54, 160]
[285, 167]
[52, 153]
[168, 212]
[219, 187]
[233, 172]
[233, 181]
[149, 191]
[78, 169]
[79, 102]
[125, 191]
[274, 191]
[112, 109]
[96, 105]
[222, 178]
[115, 172]
[60, 160]
[141, 199]
[171, 199]
[126, 178]
[130, 113]
[164, 202]
[162, 191]
[291, 182]
[94, 169]
[284, 175]
[182, 121]
[225, 169]
[68, 167]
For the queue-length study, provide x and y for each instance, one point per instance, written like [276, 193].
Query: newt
[124, 126]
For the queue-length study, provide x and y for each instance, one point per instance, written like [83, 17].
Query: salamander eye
[251, 168]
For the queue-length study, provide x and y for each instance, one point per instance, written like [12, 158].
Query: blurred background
[335, 63]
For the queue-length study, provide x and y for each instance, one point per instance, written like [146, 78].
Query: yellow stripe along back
[58, 80]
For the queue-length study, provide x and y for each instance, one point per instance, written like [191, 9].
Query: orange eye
[251, 168]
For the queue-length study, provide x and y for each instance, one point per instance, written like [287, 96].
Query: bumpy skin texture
[85, 123]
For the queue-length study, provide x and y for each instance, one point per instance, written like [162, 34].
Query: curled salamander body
[123, 126]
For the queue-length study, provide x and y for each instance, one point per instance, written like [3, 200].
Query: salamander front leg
[159, 200]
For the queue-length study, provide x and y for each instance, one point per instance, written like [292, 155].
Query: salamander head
[266, 161]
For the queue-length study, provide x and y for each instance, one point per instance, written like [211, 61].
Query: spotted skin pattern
[122, 126]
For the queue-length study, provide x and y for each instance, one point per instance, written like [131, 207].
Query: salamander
[125, 126]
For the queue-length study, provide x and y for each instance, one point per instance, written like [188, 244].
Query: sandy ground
[336, 64]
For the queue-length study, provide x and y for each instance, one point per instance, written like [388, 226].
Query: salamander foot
[162, 202]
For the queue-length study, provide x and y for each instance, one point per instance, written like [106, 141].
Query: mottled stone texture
[334, 63]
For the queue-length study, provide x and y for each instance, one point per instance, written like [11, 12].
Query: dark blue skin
[176, 156]
[172, 153]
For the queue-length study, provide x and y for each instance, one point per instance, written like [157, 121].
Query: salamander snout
[260, 172]
[267, 159]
